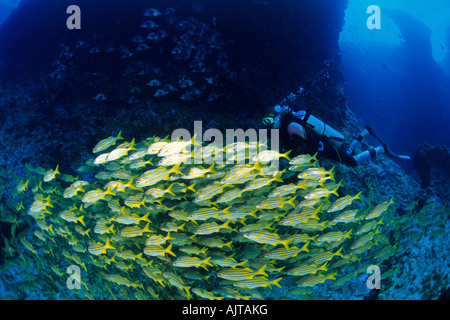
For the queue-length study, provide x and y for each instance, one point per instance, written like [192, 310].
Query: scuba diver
[303, 133]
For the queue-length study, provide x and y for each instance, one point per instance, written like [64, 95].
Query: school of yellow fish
[159, 221]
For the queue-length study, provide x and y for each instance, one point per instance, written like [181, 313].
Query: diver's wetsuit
[312, 144]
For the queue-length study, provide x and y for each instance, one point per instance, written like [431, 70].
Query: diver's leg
[357, 143]
[368, 155]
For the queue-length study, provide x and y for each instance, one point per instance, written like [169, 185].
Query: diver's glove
[268, 121]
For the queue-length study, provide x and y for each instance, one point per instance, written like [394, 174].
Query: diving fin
[389, 153]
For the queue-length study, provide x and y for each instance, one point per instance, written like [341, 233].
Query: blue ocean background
[64, 90]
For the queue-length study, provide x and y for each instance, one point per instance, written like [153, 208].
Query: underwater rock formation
[268, 48]
[432, 163]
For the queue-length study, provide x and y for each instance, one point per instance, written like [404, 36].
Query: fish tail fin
[175, 169]
[227, 225]
[143, 202]
[332, 276]
[262, 271]
[81, 220]
[348, 235]
[278, 176]
[324, 267]
[339, 252]
[253, 213]
[286, 155]
[139, 256]
[243, 263]
[277, 282]
[291, 201]
[314, 215]
[211, 168]
[358, 195]
[302, 185]
[145, 217]
[286, 243]
[108, 245]
[334, 191]
[169, 190]
[206, 261]
[305, 247]
[50, 227]
[168, 237]
[188, 294]
[132, 145]
[191, 187]
[119, 136]
[169, 250]
[257, 165]
[56, 170]
[108, 191]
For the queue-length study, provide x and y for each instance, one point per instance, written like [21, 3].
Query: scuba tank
[320, 127]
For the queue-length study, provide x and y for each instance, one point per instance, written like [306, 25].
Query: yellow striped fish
[283, 253]
[324, 257]
[129, 255]
[155, 147]
[153, 176]
[186, 262]
[262, 182]
[267, 156]
[262, 236]
[209, 191]
[306, 269]
[129, 219]
[361, 241]
[237, 274]
[106, 143]
[346, 216]
[211, 227]
[96, 248]
[51, 174]
[195, 172]
[175, 147]
[230, 195]
[202, 293]
[96, 195]
[284, 190]
[241, 174]
[312, 280]
[257, 282]
[273, 203]
[379, 209]
[71, 217]
[158, 239]
[334, 236]
[134, 202]
[177, 282]
[343, 202]
[156, 250]
[131, 232]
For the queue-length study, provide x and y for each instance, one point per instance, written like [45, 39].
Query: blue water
[398, 76]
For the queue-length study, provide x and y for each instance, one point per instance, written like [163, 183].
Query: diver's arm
[295, 128]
